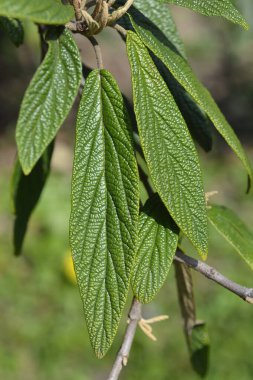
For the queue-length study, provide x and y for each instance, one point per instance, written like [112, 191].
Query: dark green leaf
[105, 207]
[40, 11]
[159, 16]
[198, 123]
[195, 332]
[157, 243]
[223, 8]
[184, 75]
[13, 28]
[196, 120]
[231, 227]
[26, 191]
[199, 346]
[48, 99]
[167, 145]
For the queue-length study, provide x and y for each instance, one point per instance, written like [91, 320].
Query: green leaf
[196, 333]
[26, 191]
[184, 75]
[199, 346]
[105, 207]
[223, 8]
[13, 28]
[48, 99]
[167, 145]
[39, 11]
[197, 122]
[159, 16]
[231, 227]
[157, 244]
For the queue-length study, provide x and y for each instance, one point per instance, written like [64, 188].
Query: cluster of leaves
[115, 239]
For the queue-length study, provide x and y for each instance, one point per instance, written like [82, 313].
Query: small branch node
[159, 318]
[210, 194]
[144, 325]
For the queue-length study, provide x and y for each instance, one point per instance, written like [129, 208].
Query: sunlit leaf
[184, 75]
[105, 207]
[40, 11]
[157, 243]
[48, 99]
[167, 145]
[223, 8]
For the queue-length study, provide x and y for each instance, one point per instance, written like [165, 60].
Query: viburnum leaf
[26, 191]
[149, 17]
[105, 207]
[157, 244]
[39, 11]
[184, 75]
[161, 17]
[223, 8]
[199, 347]
[13, 28]
[196, 333]
[232, 228]
[167, 145]
[197, 121]
[48, 99]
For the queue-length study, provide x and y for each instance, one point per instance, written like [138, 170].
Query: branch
[122, 31]
[77, 7]
[97, 50]
[245, 293]
[123, 354]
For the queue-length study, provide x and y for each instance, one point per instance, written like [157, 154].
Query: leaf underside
[182, 72]
[13, 28]
[159, 16]
[196, 332]
[105, 207]
[148, 16]
[223, 8]
[157, 244]
[48, 99]
[26, 191]
[199, 346]
[39, 11]
[167, 145]
[231, 227]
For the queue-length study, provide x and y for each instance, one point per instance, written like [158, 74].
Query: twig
[119, 12]
[120, 29]
[245, 293]
[123, 354]
[77, 8]
[111, 2]
[97, 52]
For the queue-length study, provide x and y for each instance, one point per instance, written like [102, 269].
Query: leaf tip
[245, 25]
[26, 169]
[249, 184]
[203, 253]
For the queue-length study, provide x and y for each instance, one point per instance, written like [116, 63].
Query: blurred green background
[42, 330]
